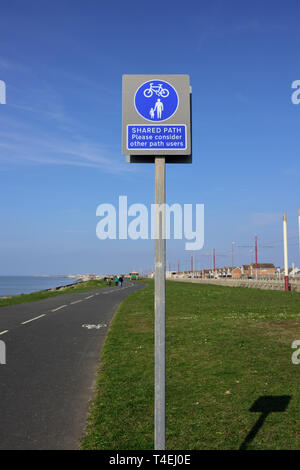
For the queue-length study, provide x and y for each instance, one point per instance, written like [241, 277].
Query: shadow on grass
[265, 405]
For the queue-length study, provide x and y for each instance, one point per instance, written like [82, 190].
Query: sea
[15, 285]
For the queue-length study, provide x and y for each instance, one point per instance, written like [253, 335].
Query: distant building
[249, 270]
[294, 272]
[264, 270]
[237, 273]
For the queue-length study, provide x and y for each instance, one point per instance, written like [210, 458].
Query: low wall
[251, 283]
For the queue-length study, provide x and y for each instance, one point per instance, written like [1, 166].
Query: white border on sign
[156, 80]
[157, 125]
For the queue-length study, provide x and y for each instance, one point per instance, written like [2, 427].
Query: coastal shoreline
[50, 289]
[81, 285]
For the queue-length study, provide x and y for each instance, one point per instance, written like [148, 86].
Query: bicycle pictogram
[157, 89]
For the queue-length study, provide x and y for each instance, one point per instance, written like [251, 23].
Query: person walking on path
[121, 281]
[116, 280]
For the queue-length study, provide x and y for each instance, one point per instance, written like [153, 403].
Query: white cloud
[255, 26]
[38, 130]
[9, 65]
[19, 148]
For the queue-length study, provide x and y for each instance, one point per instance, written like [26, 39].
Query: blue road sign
[156, 100]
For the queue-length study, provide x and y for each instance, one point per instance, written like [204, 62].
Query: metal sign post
[160, 288]
[299, 227]
[156, 128]
[285, 250]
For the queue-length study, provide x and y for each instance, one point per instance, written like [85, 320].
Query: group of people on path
[118, 280]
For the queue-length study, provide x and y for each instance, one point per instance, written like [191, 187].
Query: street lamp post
[285, 249]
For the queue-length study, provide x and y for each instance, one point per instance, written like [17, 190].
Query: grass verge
[44, 294]
[227, 349]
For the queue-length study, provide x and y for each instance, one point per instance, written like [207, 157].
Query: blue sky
[60, 131]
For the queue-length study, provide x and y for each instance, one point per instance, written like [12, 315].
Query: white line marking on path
[32, 319]
[89, 297]
[58, 308]
[75, 302]
[96, 327]
[2, 332]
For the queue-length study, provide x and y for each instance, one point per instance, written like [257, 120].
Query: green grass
[226, 348]
[44, 294]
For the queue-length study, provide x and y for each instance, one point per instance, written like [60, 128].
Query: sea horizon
[11, 285]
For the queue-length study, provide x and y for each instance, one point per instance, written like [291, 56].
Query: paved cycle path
[52, 355]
